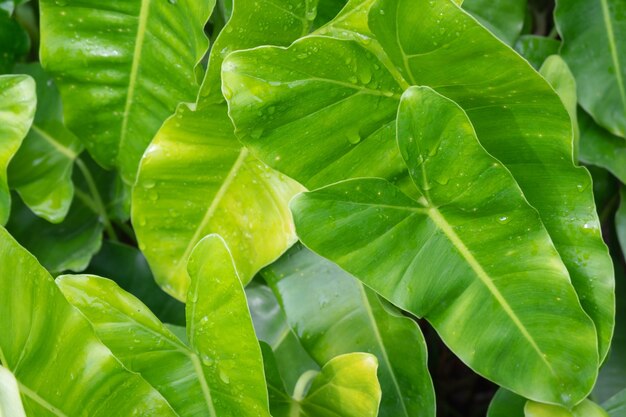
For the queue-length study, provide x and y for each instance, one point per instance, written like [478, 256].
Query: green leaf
[506, 404]
[472, 225]
[219, 373]
[558, 74]
[122, 68]
[616, 406]
[594, 47]
[41, 171]
[17, 110]
[67, 246]
[10, 401]
[127, 267]
[271, 327]
[345, 387]
[320, 87]
[620, 221]
[216, 304]
[505, 18]
[61, 367]
[536, 48]
[350, 318]
[599, 147]
[232, 193]
[584, 409]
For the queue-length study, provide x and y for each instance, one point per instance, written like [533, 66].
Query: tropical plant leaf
[585, 409]
[506, 404]
[594, 47]
[234, 194]
[219, 373]
[345, 387]
[17, 109]
[472, 225]
[536, 48]
[599, 147]
[318, 89]
[76, 364]
[271, 327]
[505, 18]
[41, 171]
[217, 303]
[10, 401]
[128, 268]
[616, 405]
[122, 68]
[351, 318]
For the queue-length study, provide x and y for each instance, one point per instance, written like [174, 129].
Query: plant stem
[97, 204]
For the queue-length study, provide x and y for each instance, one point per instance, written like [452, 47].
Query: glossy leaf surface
[216, 305]
[345, 387]
[17, 109]
[196, 178]
[300, 110]
[350, 318]
[472, 225]
[217, 374]
[594, 46]
[75, 375]
[122, 68]
[10, 401]
[41, 171]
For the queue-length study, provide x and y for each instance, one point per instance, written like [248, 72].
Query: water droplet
[353, 137]
[224, 377]
[148, 184]
[503, 219]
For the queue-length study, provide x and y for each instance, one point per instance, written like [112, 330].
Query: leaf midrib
[144, 13]
[606, 16]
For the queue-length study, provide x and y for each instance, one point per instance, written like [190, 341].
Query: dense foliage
[315, 208]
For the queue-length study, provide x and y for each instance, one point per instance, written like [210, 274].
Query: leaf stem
[97, 204]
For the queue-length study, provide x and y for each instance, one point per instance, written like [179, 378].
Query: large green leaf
[334, 314]
[14, 42]
[41, 171]
[594, 46]
[506, 295]
[505, 18]
[10, 401]
[301, 109]
[271, 327]
[616, 405]
[345, 387]
[196, 178]
[61, 366]
[599, 147]
[220, 372]
[536, 48]
[585, 409]
[506, 404]
[17, 109]
[122, 68]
